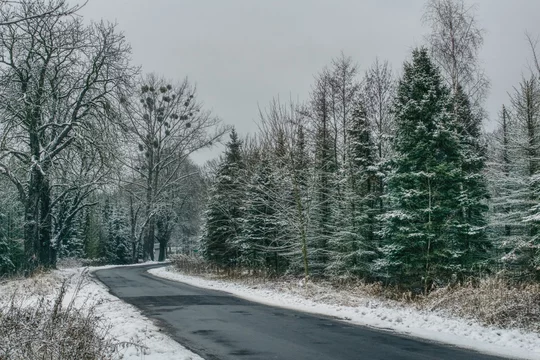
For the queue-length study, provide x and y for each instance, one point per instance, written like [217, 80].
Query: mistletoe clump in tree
[165, 125]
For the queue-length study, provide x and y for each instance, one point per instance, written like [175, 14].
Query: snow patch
[127, 324]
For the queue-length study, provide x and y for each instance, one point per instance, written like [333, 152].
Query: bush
[11, 256]
[39, 328]
[492, 301]
[190, 264]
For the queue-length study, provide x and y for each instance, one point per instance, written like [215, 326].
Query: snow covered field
[126, 322]
[376, 313]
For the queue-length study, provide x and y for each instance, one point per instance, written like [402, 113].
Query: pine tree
[262, 231]
[363, 198]
[119, 238]
[471, 245]
[224, 214]
[106, 245]
[526, 109]
[90, 233]
[509, 194]
[322, 217]
[6, 262]
[424, 184]
[299, 176]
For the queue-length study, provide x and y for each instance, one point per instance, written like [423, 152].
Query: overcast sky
[243, 53]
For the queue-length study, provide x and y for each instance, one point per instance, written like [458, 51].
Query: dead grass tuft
[43, 327]
[492, 301]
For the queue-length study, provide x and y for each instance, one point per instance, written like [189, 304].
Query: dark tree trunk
[31, 242]
[47, 249]
[149, 240]
[133, 227]
[162, 250]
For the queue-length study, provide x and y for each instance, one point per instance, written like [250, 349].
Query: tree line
[387, 179]
[375, 176]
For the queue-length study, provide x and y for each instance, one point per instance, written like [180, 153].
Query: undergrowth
[43, 327]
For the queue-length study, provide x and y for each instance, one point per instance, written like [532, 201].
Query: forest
[385, 175]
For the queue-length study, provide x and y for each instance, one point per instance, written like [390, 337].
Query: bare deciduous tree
[11, 16]
[377, 96]
[58, 79]
[165, 125]
[455, 40]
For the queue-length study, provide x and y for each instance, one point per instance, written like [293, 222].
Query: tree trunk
[162, 250]
[133, 227]
[149, 240]
[47, 250]
[31, 242]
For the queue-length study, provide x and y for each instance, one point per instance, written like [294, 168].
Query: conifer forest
[382, 172]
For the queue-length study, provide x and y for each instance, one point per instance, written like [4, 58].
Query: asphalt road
[218, 325]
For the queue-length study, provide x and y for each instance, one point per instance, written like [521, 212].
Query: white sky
[243, 53]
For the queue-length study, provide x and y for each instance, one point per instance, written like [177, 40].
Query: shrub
[42, 328]
[492, 301]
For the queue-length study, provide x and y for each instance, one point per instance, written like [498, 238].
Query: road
[218, 325]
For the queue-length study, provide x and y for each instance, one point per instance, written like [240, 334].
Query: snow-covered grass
[132, 336]
[364, 309]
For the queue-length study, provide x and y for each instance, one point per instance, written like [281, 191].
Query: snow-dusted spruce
[322, 218]
[283, 140]
[357, 234]
[262, 229]
[422, 243]
[225, 212]
[378, 96]
[513, 170]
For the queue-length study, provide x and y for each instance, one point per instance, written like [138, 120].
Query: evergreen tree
[6, 262]
[90, 233]
[262, 233]
[119, 238]
[526, 109]
[106, 245]
[471, 243]
[509, 196]
[322, 217]
[363, 190]
[299, 176]
[224, 214]
[424, 184]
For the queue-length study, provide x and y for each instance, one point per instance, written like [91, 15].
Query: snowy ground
[126, 322]
[376, 313]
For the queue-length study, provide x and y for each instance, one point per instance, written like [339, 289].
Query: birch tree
[456, 39]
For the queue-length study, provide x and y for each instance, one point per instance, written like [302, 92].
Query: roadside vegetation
[40, 320]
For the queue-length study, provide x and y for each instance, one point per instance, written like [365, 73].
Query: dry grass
[493, 301]
[41, 327]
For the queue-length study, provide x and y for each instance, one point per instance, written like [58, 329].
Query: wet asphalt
[218, 325]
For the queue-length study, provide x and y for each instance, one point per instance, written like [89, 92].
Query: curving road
[218, 325]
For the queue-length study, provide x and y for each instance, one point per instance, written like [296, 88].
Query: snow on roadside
[378, 314]
[126, 323]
